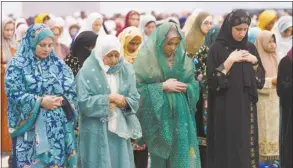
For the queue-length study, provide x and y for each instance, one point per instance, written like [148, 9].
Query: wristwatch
[256, 63]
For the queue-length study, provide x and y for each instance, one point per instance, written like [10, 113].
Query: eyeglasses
[207, 23]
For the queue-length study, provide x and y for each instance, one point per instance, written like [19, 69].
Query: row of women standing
[42, 95]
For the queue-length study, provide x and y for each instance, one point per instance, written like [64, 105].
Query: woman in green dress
[169, 93]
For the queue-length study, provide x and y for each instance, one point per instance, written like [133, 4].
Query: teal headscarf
[212, 35]
[167, 117]
[44, 33]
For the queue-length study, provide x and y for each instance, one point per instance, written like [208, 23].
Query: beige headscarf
[8, 46]
[195, 37]
[190, 20]
[268, 59]
[125, 37]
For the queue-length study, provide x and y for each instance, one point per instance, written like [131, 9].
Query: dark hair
[149, 23]
[285, 31]
[74, 26]
[46, 18]
[274, 37]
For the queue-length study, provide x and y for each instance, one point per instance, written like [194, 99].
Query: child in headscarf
[130, 39]
[268, 103]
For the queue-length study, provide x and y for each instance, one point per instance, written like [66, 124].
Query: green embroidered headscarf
[167, 117]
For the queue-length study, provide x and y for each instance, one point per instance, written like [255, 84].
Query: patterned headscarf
[27, 79]
[125, 37]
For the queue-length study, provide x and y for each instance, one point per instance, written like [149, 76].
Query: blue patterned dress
[41, 138]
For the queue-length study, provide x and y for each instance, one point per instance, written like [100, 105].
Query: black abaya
[284, 90]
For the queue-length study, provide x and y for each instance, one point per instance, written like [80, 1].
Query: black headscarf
[244, 70]
[79, 47]
[225, 37]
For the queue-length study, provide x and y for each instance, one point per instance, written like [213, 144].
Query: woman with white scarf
[108, 100]
[94, 22]
[283, 32]
[20, 29]
[147, 26]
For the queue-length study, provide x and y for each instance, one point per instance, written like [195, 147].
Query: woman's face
[150, 28]
[287, 33]
[46, 19]
[134, 44]
[73, 31]
[134, 20]
[206, 24]
[97, 25]
[272, 44]
[56, 31]
[44, 48]
[111, 58]
[8, 31]
[171, 46]
[239, 31]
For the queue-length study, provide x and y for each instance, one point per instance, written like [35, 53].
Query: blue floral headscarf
[27, 80]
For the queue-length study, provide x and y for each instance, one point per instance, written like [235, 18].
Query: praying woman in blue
[38, 84]
[108, 100]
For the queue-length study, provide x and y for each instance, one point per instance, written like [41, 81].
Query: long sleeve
[70, 89]
[284, 79]
[91, 105]
[261, 80]
[192, 93]
[217, 80]
[23, 107]
[267, 86]
[133, 97]
[268, 83]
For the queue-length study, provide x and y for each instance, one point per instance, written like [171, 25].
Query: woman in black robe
[235, 73]
[284, 90]
[80, 49]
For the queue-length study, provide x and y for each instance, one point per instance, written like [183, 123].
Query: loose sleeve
[91, 105]
[259, 71]
[284, 79]
[73, 64]
[217, 80]
[192, 92]
[133, 96]
[23, 107]
[70, 88]
[267, 86]
[150, 106]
